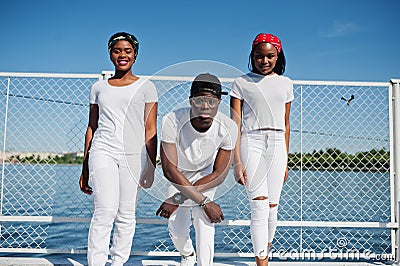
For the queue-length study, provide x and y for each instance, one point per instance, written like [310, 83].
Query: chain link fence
[338, 199]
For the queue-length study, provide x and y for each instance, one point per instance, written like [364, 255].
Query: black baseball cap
[206, 83]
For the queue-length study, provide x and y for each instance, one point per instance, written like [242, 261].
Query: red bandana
[264, 37]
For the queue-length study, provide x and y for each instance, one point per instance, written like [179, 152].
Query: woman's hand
[147, 177]
[286, 173]
[84, 183]
[240, 173]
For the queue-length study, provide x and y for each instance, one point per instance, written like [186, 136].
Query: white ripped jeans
[115, 190]
[179, 227]
[264, 155]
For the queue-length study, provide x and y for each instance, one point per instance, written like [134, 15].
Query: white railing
[340, 197]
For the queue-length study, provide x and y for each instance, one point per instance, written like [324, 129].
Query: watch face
[178, 198]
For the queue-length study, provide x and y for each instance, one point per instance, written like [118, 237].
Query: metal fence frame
[394, 125]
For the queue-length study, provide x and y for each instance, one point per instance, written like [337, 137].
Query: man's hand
[167, 208]
[214, 212]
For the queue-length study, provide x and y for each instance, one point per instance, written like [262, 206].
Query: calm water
[309, 196]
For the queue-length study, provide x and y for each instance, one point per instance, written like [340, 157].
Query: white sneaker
[188, 260]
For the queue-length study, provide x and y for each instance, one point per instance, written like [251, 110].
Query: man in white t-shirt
[196, 150]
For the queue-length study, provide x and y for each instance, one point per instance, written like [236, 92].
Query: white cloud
[340, 28]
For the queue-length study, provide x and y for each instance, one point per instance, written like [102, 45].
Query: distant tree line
[329, 159]
[68, 158]
[334, 159]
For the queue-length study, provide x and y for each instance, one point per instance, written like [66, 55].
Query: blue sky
[350, 40]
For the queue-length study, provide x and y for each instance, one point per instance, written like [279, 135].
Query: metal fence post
[397, 262]
[4, 151]
[106, 74]
[4, 145]
[396, 156]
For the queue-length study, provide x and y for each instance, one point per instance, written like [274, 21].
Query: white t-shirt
[196, 150]
[121, 115]
[264, 100]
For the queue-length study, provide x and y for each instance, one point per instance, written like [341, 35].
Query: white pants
[179, 229]
[264, 155]
[180, 221]
[115, 189]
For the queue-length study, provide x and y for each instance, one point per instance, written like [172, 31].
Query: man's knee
[178, 232]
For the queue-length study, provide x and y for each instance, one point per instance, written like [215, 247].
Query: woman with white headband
[120, 152]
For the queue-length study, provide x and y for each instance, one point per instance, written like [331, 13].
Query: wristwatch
[178, 198]
[204, 202]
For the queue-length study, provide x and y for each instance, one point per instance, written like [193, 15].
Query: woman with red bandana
[120, 152]
[260, 105]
